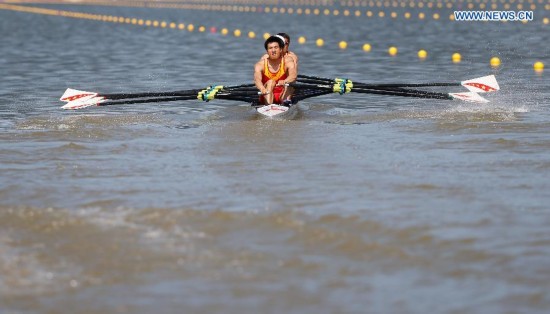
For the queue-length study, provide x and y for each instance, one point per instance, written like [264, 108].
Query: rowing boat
[305, 87]
[276, 110]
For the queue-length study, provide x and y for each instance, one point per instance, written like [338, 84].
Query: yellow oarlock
[209, 93]
[342, 85]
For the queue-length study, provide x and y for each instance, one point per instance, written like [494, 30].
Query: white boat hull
[274, 110]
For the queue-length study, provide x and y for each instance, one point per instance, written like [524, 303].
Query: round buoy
[366, 47]
[495, 62]
[319, 42]
[456, 57]
[342, 45]
[392, 51]
[301, 40]
[538, 66]
[422, 54]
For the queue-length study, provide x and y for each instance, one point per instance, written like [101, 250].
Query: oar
[77, 99]
[240, 97]
[190, 92]
[478, 85]
[466, 96]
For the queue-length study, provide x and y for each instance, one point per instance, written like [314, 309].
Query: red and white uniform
[281, 74]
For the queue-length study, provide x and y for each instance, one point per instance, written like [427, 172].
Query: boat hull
[276, 111]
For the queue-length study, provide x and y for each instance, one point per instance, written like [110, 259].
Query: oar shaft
[393, 85]
[151, 94]
[147, 100]
[380, 91]
[182, 93]
[320, 80]
[404, 93]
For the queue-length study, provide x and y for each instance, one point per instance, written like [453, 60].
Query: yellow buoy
[190, 27]
[237, 33]
[538, 66]
[301, 40]
[422, 54]
[224, 31]
[392, 51]
[319, 42]
[495, 62]
[456, 57]
[366, 47]
[266, 36]
[342, 45]
[251, 34]
[202, 29]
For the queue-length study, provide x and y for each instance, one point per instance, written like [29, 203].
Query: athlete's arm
[258, 68]
[291, 70]
[294, 56]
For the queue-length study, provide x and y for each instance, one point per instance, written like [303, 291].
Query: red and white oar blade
[84, 102]
[73, 94]
[483, 84]
[77, 99]
[469, 96]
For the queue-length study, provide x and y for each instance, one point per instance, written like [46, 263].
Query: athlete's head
[275, 39]
[286, 41]
[286, 37]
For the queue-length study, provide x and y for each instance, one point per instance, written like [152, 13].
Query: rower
[272, 74]
[286, 50]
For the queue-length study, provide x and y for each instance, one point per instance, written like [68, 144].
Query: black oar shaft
[150, 94]
[404, 93]
[404, 85]
[182, 93]
[320, 80]
[380, 91]
[147, 100]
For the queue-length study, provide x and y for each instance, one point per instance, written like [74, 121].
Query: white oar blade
[73, 94]
[483, 84]
[469, 96]
[83, 103]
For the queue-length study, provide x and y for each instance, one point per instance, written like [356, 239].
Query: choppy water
[361, 204]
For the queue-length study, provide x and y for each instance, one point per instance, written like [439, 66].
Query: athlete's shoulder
[289, 59]
[293, 56]
[259, 64]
